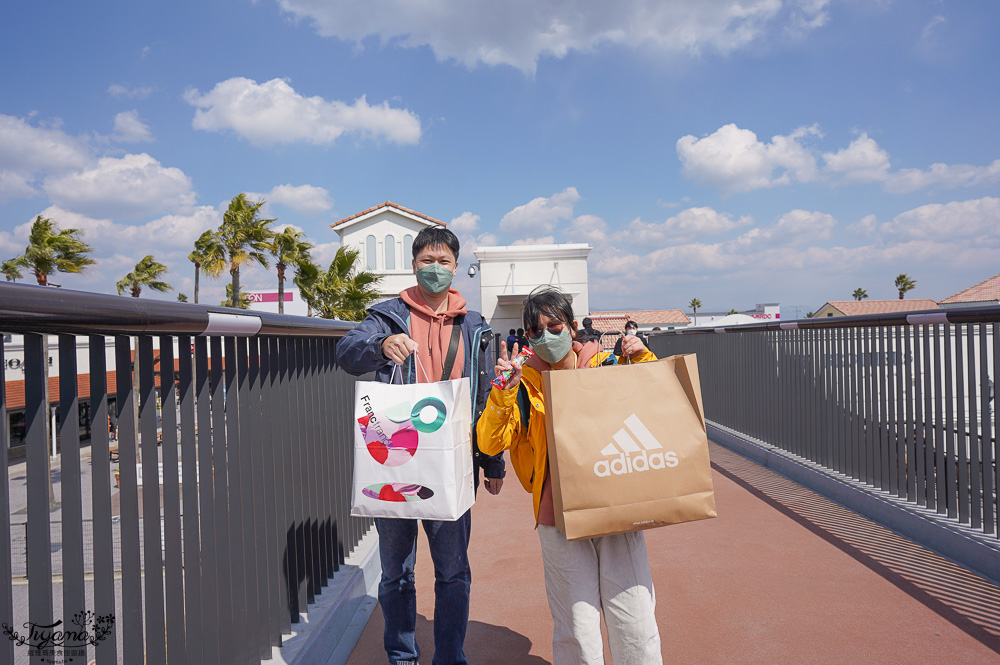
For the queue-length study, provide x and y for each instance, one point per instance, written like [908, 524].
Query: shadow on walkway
[781, 576]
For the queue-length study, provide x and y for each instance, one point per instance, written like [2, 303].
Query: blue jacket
[360, 352]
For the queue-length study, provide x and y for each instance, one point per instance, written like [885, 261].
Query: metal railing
[901, 402]
[254, 503]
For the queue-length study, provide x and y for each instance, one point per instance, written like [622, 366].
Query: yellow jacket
[500, 427]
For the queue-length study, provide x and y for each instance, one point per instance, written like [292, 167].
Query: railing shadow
[966, 600]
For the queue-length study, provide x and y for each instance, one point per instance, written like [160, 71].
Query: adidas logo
[623, 455]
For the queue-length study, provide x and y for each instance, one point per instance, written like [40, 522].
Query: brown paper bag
[627, 447]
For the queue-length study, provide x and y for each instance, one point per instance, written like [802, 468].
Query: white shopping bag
[412, 450]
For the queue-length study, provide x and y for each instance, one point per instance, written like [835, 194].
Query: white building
[384, 236]
[763, 313]
[509, 273]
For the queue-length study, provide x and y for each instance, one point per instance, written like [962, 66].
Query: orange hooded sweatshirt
[432, 333]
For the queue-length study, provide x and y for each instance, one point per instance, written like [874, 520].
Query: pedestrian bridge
[854, 465]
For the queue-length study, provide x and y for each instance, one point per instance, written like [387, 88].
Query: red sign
[269, 297]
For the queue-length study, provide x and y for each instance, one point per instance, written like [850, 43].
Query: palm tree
[288, 248]
[306, 274]
[208, 255]
[182, 297]
[244, 302]
[50, 250]
[904, 283]
[694, 305]
[343, 292]
[11, 270]
[859, 294]
[147, 273]
[245, 238]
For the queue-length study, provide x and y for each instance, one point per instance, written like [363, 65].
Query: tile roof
[985, 291]
[15, 390]
[858, 307]
[388, 204]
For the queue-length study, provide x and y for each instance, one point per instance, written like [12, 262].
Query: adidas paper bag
[412, 450]
[627, 447]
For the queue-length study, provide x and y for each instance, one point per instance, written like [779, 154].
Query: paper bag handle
[396, 370]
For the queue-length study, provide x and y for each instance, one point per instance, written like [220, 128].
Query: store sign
[269, 297]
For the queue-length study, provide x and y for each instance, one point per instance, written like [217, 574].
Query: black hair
[551, 302]
[511, 332]
[520, 331]
[433, 236]
[631, 324]
[588, 322]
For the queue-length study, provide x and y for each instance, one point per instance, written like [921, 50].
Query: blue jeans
[449, 545]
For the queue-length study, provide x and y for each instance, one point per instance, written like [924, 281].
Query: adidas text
[635, 463]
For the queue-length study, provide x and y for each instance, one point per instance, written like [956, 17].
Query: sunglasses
[554, 327]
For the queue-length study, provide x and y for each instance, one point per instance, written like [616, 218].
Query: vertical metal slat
[106, 650]
[133, 649]
[156, 648]
[193, 623]
[172, 545]
[74, 594]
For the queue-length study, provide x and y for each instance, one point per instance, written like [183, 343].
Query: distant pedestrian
[588, 333]
[511, 339]
[631, 328]
[522, 341]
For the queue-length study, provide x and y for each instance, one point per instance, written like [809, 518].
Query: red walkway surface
[781, 576]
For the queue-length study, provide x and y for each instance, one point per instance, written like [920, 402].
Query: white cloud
[520, 32]
[120, 91]
[467, 222]
[323, 253]
[273, 112]
[930, 36]
[686, 225]
[735, 160]
[541, 214]
[866, 226]
[466, 227]
[943, 175]
[130, 129]
[589, 228]
[304, 199]
[14, 185]
[132, 186]
[862, 161]
[976, 221]
[795, 228]
[28, 149]
[164, 233]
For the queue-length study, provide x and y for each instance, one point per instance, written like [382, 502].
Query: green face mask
[552, 348]
[435, 279]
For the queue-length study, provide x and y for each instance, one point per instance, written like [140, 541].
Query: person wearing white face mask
[631, 328]
[587, 577]
[429, 321]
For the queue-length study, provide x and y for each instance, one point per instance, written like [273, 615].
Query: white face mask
[630, 332]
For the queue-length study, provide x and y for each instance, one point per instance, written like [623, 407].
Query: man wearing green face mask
[428, 320]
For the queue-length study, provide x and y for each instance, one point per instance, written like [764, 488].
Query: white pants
[584, 576]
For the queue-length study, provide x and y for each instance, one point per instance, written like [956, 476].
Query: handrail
[26, 308]
[914, 317]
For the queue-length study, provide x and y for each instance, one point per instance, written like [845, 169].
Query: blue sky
[738, 152]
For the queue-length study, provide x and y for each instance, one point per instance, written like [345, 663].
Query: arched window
[390, 252]
[407, 248]
[371, 254]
